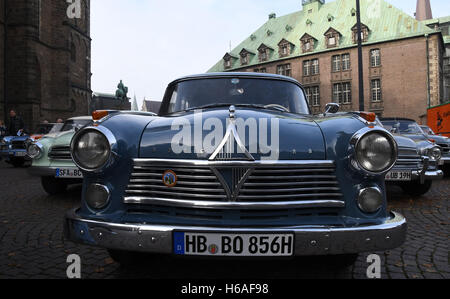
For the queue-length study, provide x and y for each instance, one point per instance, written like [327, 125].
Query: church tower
[423, 10]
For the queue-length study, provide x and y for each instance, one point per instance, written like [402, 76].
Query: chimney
[423, 10]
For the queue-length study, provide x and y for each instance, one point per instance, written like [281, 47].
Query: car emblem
[170, 178]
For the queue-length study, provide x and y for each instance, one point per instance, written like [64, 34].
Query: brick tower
[46, 69]
[423, 10]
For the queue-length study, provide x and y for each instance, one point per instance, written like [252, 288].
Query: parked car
[442, 141]
[14, 149]
[51, 157]
[151, 185]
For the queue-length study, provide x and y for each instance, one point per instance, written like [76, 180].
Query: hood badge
[170, 178]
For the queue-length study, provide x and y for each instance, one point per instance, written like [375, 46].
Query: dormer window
[285, 48]
[364, 33]
[332, 37]
[307, 42]
[264, 52]
[245, 56]
[228, 61]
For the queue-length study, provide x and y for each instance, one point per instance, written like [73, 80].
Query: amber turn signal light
[99, 114]
[369, 116]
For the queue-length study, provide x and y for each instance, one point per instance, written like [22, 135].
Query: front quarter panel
[127, 130]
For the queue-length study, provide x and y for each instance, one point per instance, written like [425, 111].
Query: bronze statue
[122, 91]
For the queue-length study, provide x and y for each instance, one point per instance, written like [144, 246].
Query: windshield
[427, 130]
[75, 124]
[402, 126]
[262, 93]
[56, 128]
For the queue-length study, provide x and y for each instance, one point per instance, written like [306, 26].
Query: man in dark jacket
[15, 124]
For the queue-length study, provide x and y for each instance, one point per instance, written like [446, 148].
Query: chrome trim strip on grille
[254, 184]
[259, 163]
[236, 205]
[60, 153]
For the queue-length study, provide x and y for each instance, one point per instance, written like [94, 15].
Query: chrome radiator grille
[408, 159]
[235, 184]
[18, 145]
[445, 148]
[291, 183]
[60, 153]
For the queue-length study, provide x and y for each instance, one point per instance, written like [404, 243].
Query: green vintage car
[52, 160]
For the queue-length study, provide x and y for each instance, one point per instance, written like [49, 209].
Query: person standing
[2, 129]
[16, 125]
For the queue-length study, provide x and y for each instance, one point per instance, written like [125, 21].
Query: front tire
[53, 186]
[417, 189]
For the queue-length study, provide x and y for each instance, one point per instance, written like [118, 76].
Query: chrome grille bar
[252, 185]
[60, 153]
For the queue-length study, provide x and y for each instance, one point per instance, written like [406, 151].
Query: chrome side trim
[201, 204]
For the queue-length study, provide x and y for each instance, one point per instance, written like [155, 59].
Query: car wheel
[53, 186]
[415, 188]
[125, 258]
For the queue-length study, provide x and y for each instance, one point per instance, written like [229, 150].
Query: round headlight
[34, 150]
[90, 150]
[370, 200]
[435, 153]
[376, 152]
[97, 196]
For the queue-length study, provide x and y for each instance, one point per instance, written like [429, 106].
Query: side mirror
[332, 108]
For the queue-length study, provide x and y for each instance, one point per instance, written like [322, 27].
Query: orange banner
[439, 119]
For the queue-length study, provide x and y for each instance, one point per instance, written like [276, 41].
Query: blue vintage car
[14, 149]
[235, 165]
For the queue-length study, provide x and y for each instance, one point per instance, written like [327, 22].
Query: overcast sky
[148, 43]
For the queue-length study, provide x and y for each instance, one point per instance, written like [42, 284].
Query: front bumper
[445, 160]
[309, 240]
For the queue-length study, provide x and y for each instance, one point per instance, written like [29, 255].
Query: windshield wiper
[216, 105]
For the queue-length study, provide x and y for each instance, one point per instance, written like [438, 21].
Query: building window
[345, 62]
[336, 63]
[313, 95]
[332, 41]
[375, 57]
[376, 90]
[261, 70]
[284, 69]
[342, 93]
[285, 48]
[244, 59]
[227, 64]
[315, 67]
[306, 68]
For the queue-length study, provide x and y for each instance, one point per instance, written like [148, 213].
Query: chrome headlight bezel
[435, 153]
[40, 150]
[363, 133]
[111, 140]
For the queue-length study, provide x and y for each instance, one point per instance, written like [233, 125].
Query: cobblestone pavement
[32, 243]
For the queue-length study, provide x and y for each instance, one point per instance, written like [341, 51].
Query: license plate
[399, 176]
[246, 245]
[20, 154]
[68, 173]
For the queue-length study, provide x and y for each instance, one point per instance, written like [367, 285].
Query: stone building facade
[46, 69]
[402, 57]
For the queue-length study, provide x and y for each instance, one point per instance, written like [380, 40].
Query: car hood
[403, 141]
[286, 136]
[440, 139]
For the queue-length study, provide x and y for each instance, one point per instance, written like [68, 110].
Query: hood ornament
[225, 150]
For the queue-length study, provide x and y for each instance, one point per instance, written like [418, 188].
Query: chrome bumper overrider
[309, 240]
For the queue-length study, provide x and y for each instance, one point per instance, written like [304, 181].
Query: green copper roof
[384, 21]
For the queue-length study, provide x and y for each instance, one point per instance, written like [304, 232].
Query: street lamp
[360, 58]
